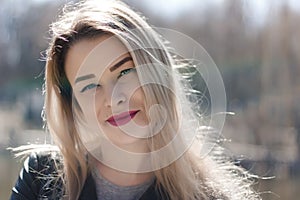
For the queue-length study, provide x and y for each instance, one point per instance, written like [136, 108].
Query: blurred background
[255, 44]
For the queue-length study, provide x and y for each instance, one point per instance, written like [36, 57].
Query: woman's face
[105, 84]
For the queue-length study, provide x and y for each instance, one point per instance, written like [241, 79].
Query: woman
[113, 106]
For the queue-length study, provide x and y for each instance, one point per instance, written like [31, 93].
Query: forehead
[93, 56]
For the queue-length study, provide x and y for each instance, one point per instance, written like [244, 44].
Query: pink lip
[121, 119]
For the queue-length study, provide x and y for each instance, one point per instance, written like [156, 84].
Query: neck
[123, 178]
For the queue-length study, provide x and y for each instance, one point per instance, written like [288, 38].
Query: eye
[89, 87]
[126, 71]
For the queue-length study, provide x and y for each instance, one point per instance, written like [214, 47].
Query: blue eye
[89, 87]
[126, 71]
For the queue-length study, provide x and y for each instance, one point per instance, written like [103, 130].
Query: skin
[102, 73]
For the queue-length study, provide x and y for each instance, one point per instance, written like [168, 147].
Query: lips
[123, 118]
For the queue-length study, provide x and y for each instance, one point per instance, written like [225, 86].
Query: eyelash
[93, 85]
[89, 87]
[125, 71]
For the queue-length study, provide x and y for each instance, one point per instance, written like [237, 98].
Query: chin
[125, 140]
[131, 144]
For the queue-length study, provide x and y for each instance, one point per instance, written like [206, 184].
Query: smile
[122, 119]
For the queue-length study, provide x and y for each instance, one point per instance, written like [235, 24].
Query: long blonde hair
[186, 178]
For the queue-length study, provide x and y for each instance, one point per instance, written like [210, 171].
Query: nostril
[121, 99]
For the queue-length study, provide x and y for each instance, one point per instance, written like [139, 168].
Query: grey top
[107, 190]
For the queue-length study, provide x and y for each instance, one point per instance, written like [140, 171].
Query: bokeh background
[255, 44]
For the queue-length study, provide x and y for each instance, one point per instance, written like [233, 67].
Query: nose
[114, 97]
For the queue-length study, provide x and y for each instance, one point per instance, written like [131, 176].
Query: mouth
[122, 119]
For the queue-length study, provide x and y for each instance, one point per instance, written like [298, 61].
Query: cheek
[138, 98]
[88, 105]
[137, 101]
[102, 110]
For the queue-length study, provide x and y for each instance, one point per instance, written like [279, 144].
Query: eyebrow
[85, 77]
[113, 68]
[121, 62]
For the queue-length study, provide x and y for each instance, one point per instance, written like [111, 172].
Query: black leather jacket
[37, 181]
